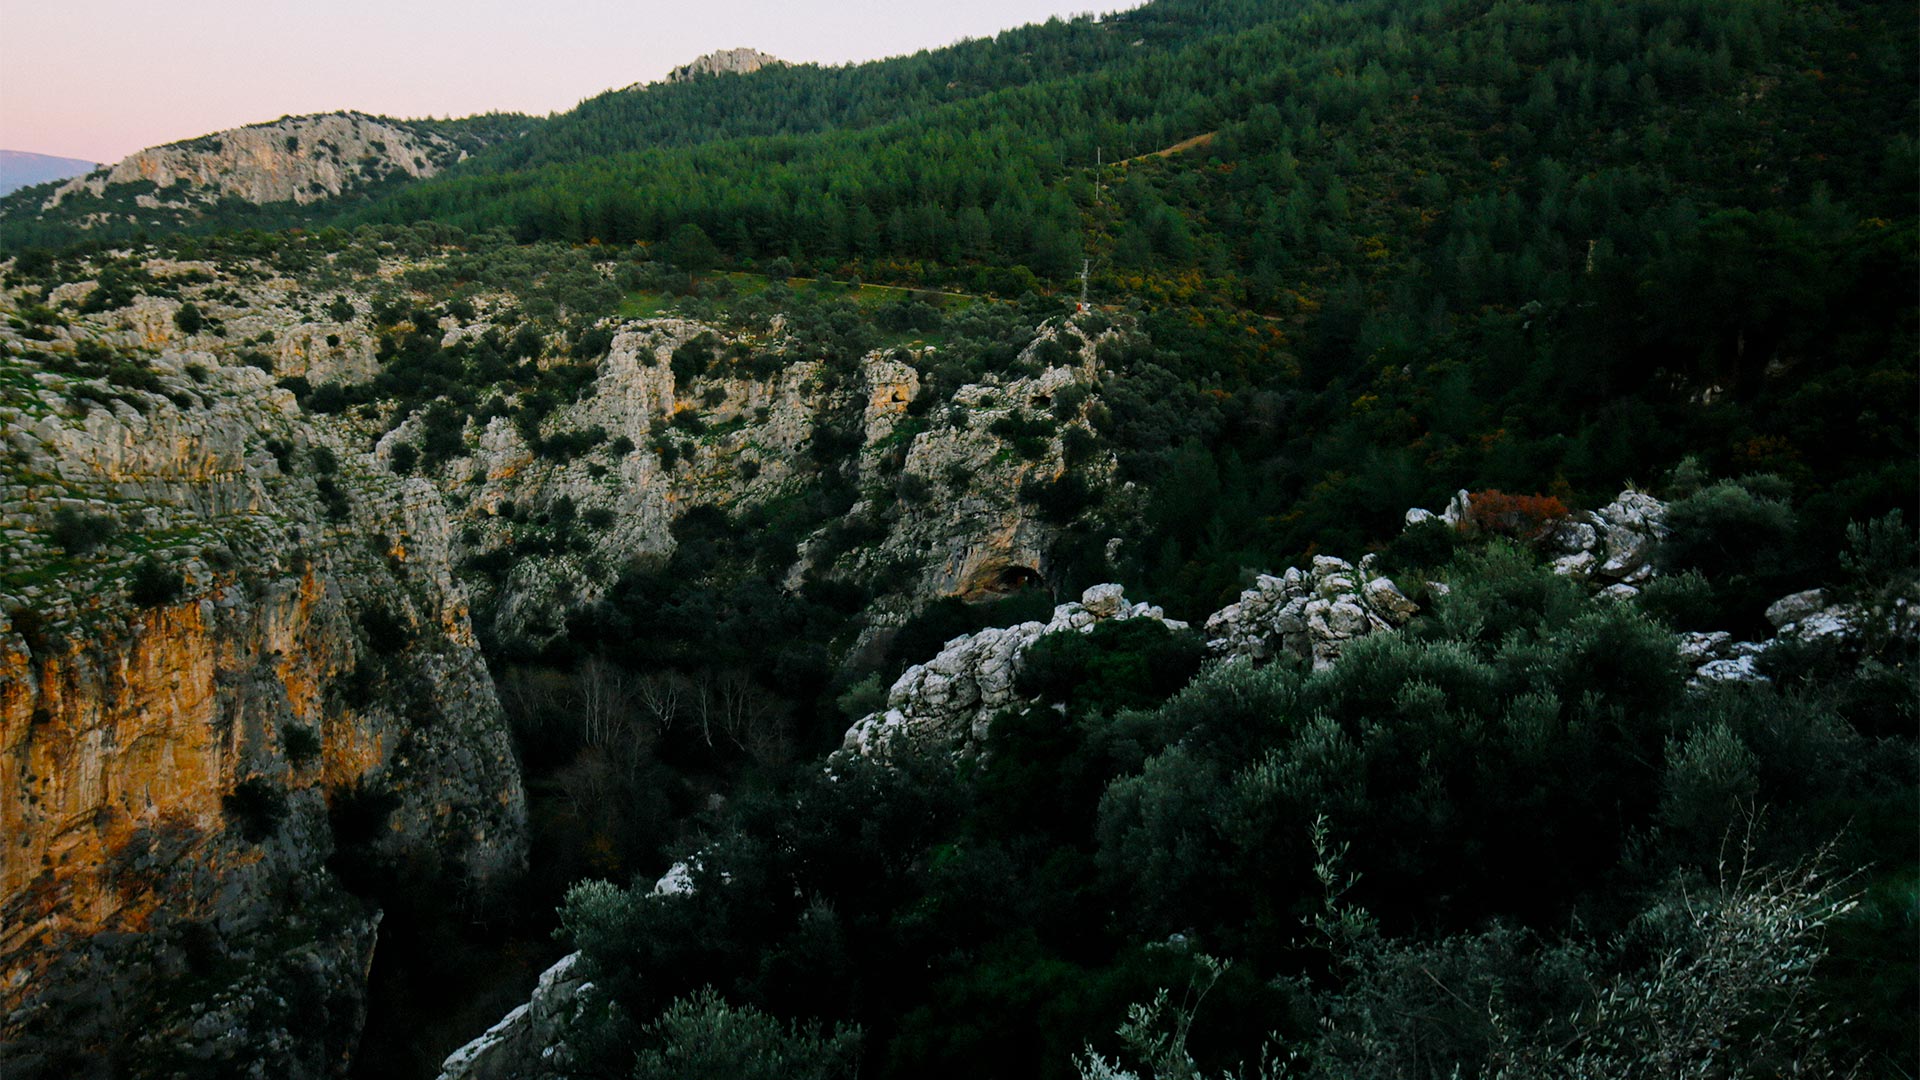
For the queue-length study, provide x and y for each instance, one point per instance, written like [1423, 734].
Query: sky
[99, 79]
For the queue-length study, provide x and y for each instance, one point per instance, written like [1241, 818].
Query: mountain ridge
[24, 168]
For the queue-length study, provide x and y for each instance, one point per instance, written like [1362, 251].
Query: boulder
[1386, 599]
[1791, 609]
[1739, 669]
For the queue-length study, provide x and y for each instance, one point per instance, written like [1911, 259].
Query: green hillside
[1427, 246]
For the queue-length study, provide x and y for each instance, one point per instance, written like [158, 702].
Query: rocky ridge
[302, 159]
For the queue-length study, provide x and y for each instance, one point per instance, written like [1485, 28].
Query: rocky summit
[723, 62]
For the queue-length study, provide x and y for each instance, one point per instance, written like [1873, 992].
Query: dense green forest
[1394, 249]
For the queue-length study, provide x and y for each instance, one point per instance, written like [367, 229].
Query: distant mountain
[19, 169]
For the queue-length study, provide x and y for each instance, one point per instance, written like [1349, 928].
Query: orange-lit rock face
[98, 741]
[126, 734]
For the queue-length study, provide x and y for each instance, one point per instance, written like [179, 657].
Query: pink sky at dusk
[98, 80]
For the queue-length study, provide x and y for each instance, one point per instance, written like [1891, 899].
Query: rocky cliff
[229, 650]
[940, 510]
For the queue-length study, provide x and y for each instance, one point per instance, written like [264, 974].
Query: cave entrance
[1010, 580]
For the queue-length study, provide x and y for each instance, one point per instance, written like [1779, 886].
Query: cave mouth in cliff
[1010, 580]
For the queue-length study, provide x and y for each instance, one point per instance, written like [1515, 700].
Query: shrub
[282, 452]
[188, 318]
[1726, 529]
[333, 501]
[386, 634]
[155, 584]
[79, 532]
[1422, 547]
[257, 807]
[1684, 601]
[691, 360]
[1522, 517]
[867, 696]
[1058, 501]
[702, 1035]
[1028, 436]
[567, 445]
[1742, 539]
[301, 744]
[1117, 665]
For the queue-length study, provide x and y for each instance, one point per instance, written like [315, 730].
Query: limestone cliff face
[170, 746]
[303, 159]
[941, 510]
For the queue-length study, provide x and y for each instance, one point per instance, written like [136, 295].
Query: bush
[1726, 530]
[257, 807]
[1058, 501]
[1521, 517]
[333, 501]
[155, 584]
[1684, 601]
[188, 318]
[692, 359]
[387, 635]
[1133, 663]
[702, 1035]
[867, 696]
[1743, 539]
[1423, 547]
[301, 744]
[1028, 436]
[79, 532]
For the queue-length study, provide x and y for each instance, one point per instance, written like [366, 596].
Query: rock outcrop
[1811, 617]
[950, 700]
[723, 62]
[1310, 614]
[1612, 547]
[525, 1043]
